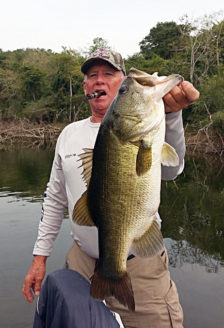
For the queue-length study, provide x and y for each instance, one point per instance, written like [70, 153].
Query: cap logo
[112, 57]
[101, 53]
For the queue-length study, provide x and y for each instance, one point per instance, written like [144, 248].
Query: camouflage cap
[112, 57]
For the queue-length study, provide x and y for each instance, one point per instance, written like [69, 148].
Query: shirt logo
[69, 156]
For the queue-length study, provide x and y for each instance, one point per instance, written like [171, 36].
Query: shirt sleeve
[54, 206]
[175, 138]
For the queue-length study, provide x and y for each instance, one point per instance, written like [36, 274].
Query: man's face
[102, 77]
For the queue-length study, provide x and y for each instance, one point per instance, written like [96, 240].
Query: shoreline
[23, 133]
[28, 134]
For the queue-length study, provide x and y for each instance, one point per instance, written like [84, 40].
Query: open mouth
[99, 93]
[96, 94]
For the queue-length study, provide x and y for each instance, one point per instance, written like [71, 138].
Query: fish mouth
[143, 78]
[167, 84]
[146, 79]
[175, 78]
[162, 85]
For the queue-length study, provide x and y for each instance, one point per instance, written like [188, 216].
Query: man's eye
[92, 75]
[109, 73]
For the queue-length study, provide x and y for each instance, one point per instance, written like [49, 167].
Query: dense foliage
[45, 86]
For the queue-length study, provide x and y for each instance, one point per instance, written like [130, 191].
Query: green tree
[163, 40]
[155, 64]
[32, 83]
[218, 32]
[202, 46]
[98, 43]
[10, 94]
[66, 79]
[2, 58]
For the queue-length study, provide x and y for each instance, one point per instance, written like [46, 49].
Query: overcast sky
[51, 24]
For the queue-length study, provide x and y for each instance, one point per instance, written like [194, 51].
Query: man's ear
[84, 87]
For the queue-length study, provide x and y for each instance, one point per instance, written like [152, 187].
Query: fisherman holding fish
[113, 192]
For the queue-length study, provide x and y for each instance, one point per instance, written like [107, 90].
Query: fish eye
[123, 89]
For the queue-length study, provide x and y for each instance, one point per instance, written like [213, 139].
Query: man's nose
[100, 79]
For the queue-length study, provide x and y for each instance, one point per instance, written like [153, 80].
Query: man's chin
[101, 104]
[100, 112]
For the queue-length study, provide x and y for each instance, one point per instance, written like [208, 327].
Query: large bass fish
[123, 178]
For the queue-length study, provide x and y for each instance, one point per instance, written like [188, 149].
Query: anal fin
[150, 243]
[81, 214]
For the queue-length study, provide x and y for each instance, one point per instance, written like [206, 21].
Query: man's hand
[34, 278]
[180, 97]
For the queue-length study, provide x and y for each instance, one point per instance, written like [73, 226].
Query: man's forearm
[175, 138]
[40, 258]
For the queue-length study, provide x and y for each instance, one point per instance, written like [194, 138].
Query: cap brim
[90, 62]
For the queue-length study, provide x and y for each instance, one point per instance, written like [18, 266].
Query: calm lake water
[192, 210]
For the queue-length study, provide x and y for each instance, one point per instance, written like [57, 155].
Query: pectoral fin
[81, 214]
[87, 162]
[144, 160]
[169, 155]
[150, 243]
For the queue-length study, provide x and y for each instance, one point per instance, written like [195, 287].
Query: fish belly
[121, 203]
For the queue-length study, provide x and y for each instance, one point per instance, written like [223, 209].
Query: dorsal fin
[87, 162]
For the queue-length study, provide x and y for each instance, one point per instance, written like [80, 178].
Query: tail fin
[120, 288]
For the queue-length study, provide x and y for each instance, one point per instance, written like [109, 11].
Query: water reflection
[192, 207]
[19, 219]
[25, 172]
[181, 252]
[192, 210]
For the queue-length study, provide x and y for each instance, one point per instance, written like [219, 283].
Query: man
[155, 294]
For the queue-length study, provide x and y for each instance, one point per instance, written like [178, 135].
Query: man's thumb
[37, 288]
